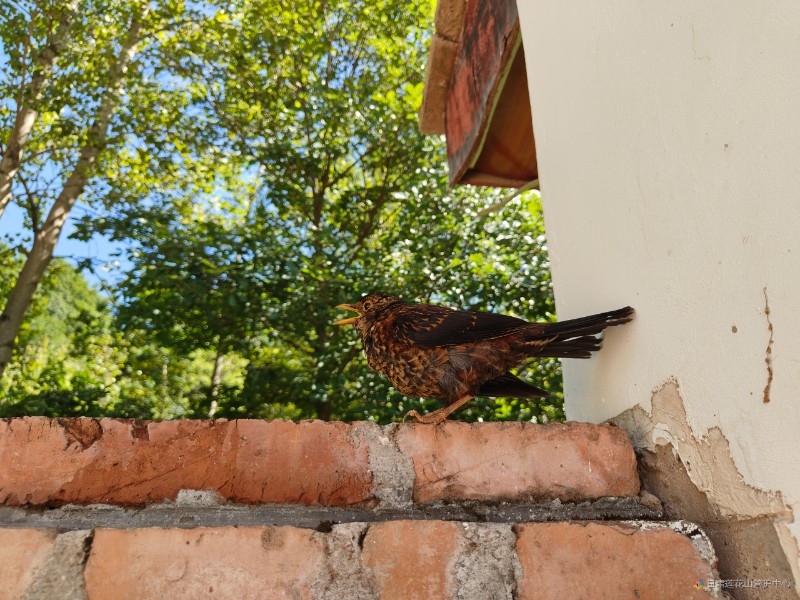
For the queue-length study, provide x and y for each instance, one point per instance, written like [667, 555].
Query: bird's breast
[414, 371]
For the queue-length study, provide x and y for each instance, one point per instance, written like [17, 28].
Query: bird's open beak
[351, 319]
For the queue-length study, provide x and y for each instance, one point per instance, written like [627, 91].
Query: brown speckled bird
[456, 355]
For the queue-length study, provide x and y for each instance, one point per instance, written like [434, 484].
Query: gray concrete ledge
[203, 513]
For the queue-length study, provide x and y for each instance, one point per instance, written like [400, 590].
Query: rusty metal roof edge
[472, 151]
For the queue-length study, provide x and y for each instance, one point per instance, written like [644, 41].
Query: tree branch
[26, 110]
[531, 185]
[21, 295]
[343, 173]
[33, 209]
[368, 225]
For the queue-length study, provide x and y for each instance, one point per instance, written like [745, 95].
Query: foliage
[266, 165]
[67, 358]
[76, 362]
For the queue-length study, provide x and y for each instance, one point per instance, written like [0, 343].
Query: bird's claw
[412, 413]
[429, 419]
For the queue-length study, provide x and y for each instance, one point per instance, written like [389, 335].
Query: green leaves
[264, 166]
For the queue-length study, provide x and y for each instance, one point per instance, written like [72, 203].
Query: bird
[433, 351]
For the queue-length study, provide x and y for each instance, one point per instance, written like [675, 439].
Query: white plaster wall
[668, 138]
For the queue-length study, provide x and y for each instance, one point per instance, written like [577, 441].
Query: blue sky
[99, 248]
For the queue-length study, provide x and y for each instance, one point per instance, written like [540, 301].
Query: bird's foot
[433, 418]
[440, 415]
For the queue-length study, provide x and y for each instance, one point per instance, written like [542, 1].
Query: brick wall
[253, 509]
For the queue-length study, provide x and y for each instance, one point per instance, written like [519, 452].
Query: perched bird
[456, 355]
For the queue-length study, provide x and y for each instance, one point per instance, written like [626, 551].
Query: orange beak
[352, 308]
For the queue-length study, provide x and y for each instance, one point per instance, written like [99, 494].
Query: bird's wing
[510, 386]
[430, 326]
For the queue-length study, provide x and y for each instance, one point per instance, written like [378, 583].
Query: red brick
[411, 560]
[311, 462]
[226, 562]
[124, 462]
[596, 561]
[519, 461]
[22, 552]
[57, 461]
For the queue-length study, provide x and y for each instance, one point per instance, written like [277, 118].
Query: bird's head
[367, 309]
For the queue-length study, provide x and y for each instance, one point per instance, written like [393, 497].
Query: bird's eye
[367, 305]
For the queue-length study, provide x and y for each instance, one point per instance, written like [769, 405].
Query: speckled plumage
[436, 352]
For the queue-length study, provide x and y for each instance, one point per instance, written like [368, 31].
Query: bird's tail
[578, 338]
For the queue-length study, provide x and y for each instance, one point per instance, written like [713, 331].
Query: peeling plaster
[692, 531]
[720, 496]
[707, 458]
[788, 534]
[659, 217]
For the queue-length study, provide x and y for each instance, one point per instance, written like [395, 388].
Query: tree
[205, 280]
[349, 198]
[29, 93]
[73, 360]
[263, 164]
[44, 242]
[103, 103]
[68, 358]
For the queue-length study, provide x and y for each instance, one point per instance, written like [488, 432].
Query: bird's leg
[440, 415]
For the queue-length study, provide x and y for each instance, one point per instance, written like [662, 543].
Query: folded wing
[430, 326]
[510, 386]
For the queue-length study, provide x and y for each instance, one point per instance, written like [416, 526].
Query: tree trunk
[44, 242]
[26, 111]
[216, 381]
